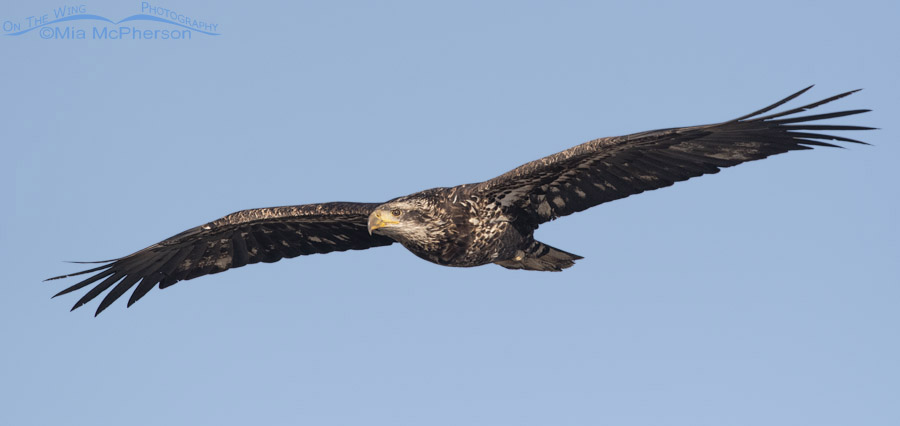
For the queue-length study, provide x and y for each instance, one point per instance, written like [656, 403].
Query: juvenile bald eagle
[473, 224]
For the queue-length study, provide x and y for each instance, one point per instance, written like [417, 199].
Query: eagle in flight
[472, 224]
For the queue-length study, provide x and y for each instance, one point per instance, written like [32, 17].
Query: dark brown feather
[608, 169]
[241, 238]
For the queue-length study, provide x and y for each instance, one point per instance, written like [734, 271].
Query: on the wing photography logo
[79, 22]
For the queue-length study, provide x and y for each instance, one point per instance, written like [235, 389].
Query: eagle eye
[396, 212]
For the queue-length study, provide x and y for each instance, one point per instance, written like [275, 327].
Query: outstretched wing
[608, 169]
[248, 236]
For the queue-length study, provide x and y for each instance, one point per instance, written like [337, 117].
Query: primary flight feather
[472, 224]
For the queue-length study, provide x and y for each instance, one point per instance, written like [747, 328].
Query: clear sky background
[767, 294]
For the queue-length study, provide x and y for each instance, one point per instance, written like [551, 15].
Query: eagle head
[402, 219]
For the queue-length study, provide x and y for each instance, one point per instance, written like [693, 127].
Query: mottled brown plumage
[472, 224]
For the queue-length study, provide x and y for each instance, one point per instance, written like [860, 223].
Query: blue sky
[765, 294]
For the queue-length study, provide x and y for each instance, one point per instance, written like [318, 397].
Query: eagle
[471, 224]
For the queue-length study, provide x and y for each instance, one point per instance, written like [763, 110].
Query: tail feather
[540, 257]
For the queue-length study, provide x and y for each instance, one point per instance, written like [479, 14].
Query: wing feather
[608, 169]
[241, 238]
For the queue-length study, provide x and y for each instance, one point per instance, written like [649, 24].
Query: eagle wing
[241, 238]
[608, 169]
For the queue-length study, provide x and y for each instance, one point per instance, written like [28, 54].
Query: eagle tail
[540, 257]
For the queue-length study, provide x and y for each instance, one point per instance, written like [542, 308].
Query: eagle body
[456, 227]
[473, 224]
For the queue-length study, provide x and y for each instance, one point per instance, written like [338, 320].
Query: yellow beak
[375, 222]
